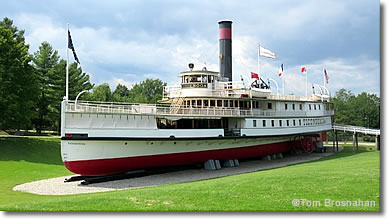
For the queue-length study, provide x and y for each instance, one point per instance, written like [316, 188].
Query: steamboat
[207, 116]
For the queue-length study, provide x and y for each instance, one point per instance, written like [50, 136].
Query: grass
[343, 176]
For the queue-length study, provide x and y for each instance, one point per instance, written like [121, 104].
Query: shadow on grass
[31, 149]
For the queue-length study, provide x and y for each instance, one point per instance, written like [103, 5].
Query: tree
[148, 91]
[78, 81]
[367, 110]
[361, 110]
[18, 83]
[120, 94]
[44, 61]
[102, 93]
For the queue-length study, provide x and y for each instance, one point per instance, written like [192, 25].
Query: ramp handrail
[356, 129]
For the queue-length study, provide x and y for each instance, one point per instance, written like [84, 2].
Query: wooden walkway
[355, 130]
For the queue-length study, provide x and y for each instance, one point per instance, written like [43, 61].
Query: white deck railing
[172, 110]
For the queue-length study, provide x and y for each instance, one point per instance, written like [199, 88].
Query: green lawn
[341, 177]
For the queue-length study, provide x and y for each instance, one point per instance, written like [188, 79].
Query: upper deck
[178, 111]
[209, 84]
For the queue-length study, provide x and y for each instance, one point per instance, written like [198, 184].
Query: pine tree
[78, 81]
[44, 61]
[18, 83]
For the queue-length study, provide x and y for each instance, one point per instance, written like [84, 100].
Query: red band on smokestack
[225, 33]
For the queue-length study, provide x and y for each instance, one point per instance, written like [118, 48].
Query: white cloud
[41, 28]
[116, 81]
[130, 49]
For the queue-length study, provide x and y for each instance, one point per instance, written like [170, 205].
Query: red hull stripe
[225, 33]
[119, 165]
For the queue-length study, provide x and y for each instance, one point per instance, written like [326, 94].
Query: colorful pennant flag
[254, 75]
[304, 69]
[281, 70]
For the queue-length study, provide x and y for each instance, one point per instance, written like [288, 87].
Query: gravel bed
[57, 186]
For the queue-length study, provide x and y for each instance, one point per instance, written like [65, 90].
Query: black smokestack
[226, 49]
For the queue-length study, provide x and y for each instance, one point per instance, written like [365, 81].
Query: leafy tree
[18, 83]
[44, 61]
[120, 94]
[148, 91]
[361, 110]
[367, 110]
[102, 93]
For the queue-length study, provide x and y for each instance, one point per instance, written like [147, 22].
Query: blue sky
[128, 41]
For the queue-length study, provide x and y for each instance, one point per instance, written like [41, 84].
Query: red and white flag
[304, 69]
[254, 75]
[326, 76]
[281, 70]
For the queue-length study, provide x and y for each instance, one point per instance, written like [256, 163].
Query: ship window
[193, 103]
[263, 123]
[319, 107]
[280, 123]
[236, 103]
[300, 106]
[231, 103]
[285, 106]
[309, 106]
[269, 105]
[212, 103]
[273, 123]
[293, 122]
[300, 122]
[293, 106]
[226, 103]
[205, 103]
[219, 102]
[288, 122]
[254, 123]
[199, 103]
[188, 103]
[315, 107]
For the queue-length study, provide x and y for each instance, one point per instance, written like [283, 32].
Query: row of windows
[201, 103]
[293, 106]
[289, 122]
[246, 104]
[300, 106]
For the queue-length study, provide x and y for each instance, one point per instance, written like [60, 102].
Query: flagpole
[306, 84]
[259, 63]
[283, 83]
[67, 64]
